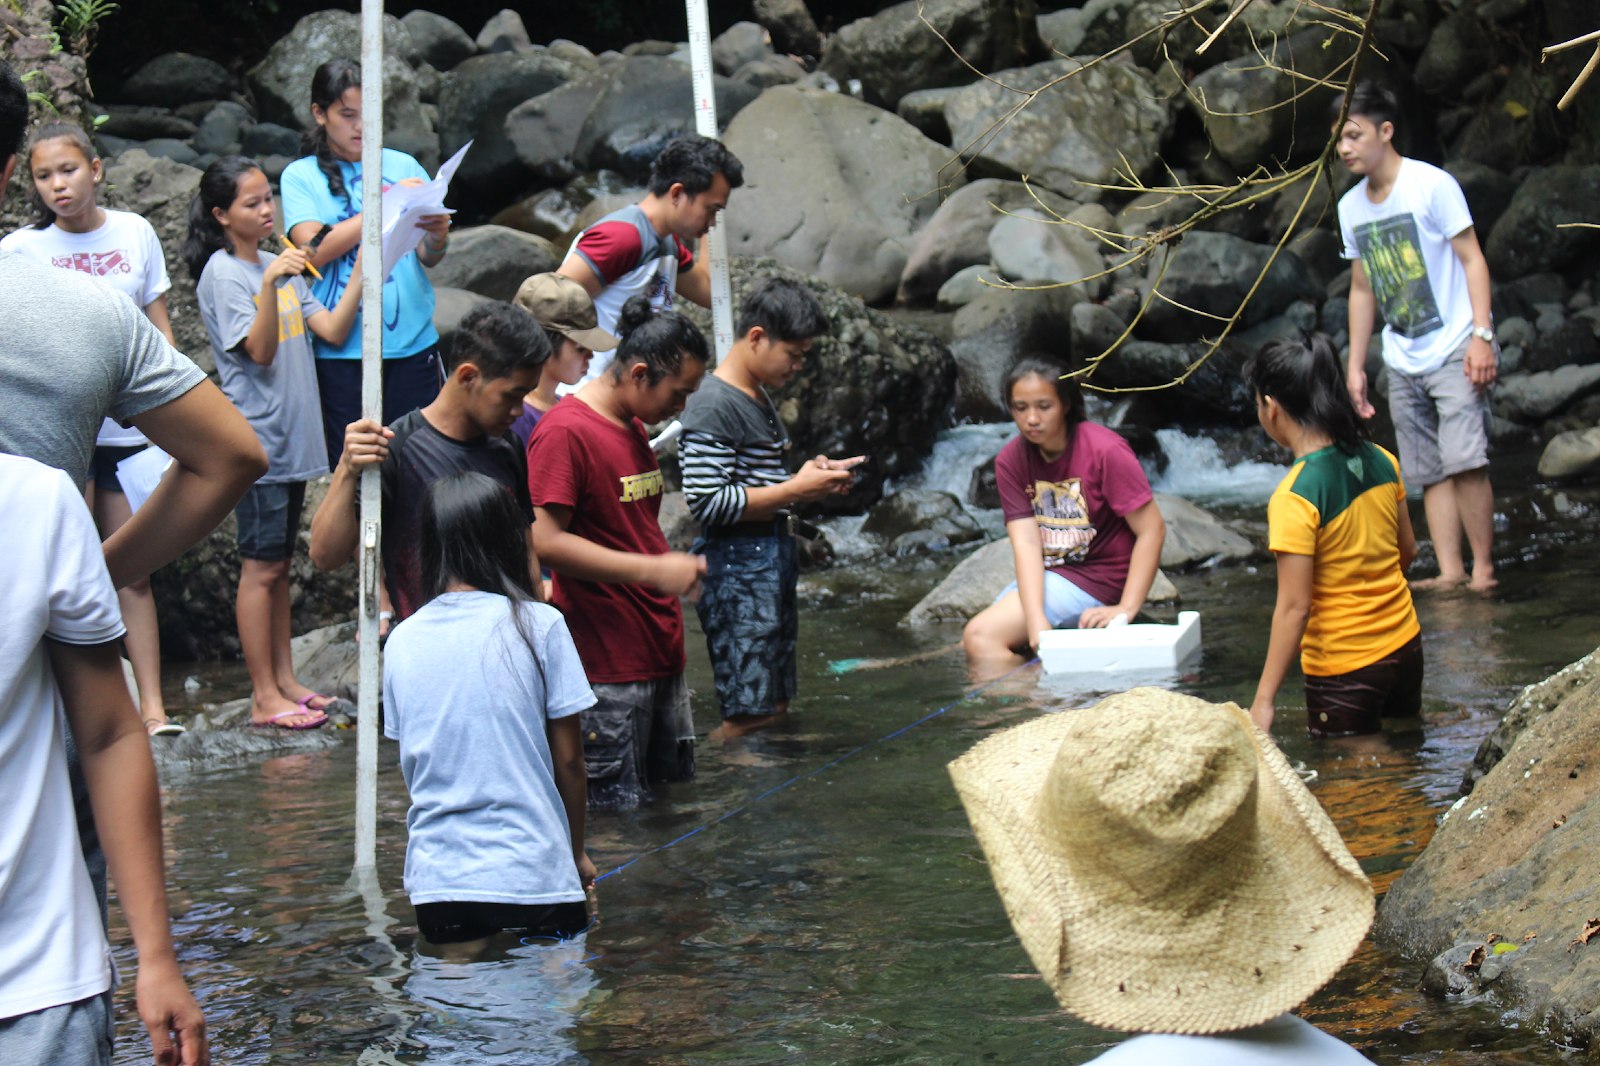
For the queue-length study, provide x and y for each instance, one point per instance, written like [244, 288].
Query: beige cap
[561, 304]
[1165, 868]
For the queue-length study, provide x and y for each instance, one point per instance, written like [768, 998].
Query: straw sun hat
[1163, 866]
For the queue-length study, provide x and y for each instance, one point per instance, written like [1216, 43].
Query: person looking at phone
[736, 481]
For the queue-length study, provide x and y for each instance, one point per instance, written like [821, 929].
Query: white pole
[371, 679]
[715, 245]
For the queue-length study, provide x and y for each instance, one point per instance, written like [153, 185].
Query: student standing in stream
[736, 481]
[322, 210]
[259, 315]
[1341, 532]
[596, 490]
[1415, 253]
[643, 249]
[121, 249]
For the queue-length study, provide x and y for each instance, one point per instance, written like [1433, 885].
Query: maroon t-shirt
[1078, 501]
[608, 475]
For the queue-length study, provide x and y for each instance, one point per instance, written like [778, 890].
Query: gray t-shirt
[468, 704]
[76, 352]
[280, 400]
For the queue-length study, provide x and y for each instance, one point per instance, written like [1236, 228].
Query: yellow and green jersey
[1343, 510]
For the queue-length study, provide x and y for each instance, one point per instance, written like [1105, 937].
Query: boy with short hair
[60, 667]
[495, 358]
[1408, 231]
[736, 481]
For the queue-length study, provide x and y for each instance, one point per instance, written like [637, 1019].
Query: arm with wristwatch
[326, 242]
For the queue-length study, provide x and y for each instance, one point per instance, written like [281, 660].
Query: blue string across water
[812, 773]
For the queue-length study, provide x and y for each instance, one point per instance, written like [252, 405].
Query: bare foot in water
[737, 725]
[1443, 581]
[1482, 580]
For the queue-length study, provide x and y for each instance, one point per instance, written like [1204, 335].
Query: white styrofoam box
[1119, 648]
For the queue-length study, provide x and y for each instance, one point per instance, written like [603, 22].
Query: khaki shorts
[1441, 421]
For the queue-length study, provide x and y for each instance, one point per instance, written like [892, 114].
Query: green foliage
[80, 22]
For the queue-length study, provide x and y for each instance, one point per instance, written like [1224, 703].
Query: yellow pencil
[309, 267]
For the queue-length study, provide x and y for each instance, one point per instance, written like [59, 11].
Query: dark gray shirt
[731, 442]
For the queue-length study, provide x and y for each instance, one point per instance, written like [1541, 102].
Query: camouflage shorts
[751, 620]
[638, 733]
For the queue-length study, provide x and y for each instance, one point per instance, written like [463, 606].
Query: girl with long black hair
[1340, 529]
[322, 209]
[483, 687]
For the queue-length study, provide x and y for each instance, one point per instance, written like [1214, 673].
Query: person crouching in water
[596, 491]
[482, 687]
[1084, 527]
[1341, 532]
[1169, 875]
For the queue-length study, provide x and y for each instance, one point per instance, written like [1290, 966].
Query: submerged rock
[1571, 454]
[1532, 703]
[922, 510]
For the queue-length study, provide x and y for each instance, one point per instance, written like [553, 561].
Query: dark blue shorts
[408, 384]
[268, 519]
[751, 620]
[103, 467]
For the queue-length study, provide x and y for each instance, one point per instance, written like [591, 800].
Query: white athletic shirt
[1283, 1041]
[53, 948]
[1404, 244]
[124, 253]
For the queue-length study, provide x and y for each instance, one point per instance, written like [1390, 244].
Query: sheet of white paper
[140, 473]
[403, 205]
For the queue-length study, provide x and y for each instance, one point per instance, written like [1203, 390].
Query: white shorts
[1063, 601]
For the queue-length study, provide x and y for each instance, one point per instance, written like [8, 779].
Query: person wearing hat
[563, 307]
[1169, 875]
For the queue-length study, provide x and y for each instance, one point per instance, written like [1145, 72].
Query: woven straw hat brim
[1137, 958]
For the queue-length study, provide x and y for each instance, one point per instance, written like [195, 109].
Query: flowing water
[848, 917]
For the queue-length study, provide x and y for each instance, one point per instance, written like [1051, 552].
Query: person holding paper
[322, 210]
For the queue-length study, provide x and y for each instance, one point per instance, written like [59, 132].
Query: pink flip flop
[301, 703]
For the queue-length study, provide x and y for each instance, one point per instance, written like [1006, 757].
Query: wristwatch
[1483, 333]
[316, 241]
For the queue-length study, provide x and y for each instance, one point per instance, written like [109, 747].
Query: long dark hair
[1053, 371]
[658, 339]
[65, 131]
[1308, 384]
[328, 85]
[474, 533]
[219, 187]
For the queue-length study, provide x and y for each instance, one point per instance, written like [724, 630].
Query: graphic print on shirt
[1063, 516]
[291, 320]
[637, 487]
[1391, 252]
[98, 264]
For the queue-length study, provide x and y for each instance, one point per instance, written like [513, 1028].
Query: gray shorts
[1441, 421]
[268, 520]
[72, 1034]
[638, 734]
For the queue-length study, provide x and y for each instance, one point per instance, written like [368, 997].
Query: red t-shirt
[608, 475]
[1078, 501]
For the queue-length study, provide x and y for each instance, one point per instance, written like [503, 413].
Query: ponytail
[328, 85]
[1308, 384]
[219, 187]
[45, 216]
[658, 339]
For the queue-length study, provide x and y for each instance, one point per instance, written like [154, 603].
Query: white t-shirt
[1404, 244]
[124, 253]
[1283, 1041]
[53, 948]
[465, 699]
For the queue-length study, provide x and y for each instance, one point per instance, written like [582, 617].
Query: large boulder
[645, 102]
[493, 261]
[921, 511]
[1078, 133]
[1213, 273]
[1027, 245]
[925, 44]
[1575, 453]
[741, 43]
[1528, 239]
[1212, 392]
[473, 103]
[833, 187]
[135, 123]
[871, 385]
[161, 190]
[1516, 861]
[553, 213]
[992, 331]
[504, 32]
[178, 78]
[1518, 124]
[1532, 703]
[1572, 343]
[793, 30]
[957, 236]
[1488, 192]
[1532, 398]
[450, 306]
[544, 131]
[281, 83]
[1196, 537]
[1255, 112]
[441, 43]
[195, 593]
[1458, 50]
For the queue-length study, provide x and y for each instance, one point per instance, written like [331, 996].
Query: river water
[847, 917]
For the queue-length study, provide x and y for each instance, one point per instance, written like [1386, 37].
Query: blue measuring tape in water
[812, 773]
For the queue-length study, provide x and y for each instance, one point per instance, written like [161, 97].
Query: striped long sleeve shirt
[731, 442]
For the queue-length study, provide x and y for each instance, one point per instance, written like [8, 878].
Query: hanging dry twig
[1583, 75]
